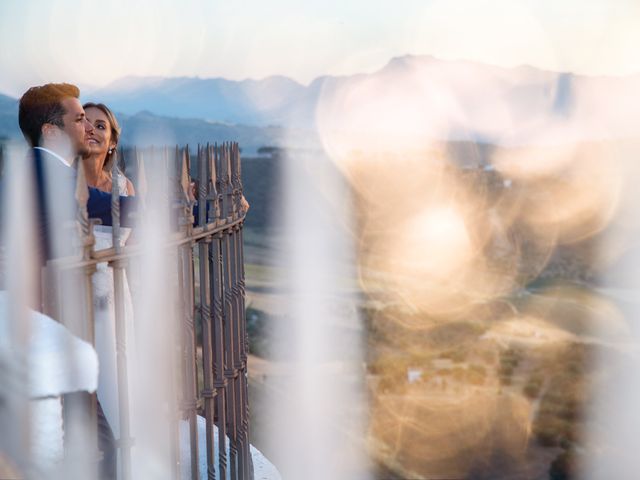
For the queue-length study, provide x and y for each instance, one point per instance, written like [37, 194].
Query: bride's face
[99, 141]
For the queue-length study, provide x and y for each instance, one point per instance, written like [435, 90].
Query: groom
[53, 122]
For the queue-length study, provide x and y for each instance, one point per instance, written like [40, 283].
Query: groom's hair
[40, 105]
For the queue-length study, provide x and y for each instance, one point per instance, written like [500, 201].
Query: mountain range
[420, 95]
[145, 128]
[453, 100]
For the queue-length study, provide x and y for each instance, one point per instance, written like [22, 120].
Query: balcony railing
[198, 332]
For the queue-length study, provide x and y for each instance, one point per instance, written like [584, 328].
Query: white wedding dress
[105, 326]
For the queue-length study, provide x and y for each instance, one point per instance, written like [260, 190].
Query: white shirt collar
[66, 162]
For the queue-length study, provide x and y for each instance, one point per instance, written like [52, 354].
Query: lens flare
[572, 190]
[478, 262]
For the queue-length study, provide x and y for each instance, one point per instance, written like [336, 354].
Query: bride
[98, 164]
[102, 150]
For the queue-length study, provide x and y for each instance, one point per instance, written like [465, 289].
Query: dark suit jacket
[55, 186]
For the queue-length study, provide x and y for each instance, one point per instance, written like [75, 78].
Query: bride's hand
[244, 205]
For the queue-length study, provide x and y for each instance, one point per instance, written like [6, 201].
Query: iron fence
[208, 351]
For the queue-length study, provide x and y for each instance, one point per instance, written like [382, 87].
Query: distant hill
[443, 100]
[252, 102]
[476, 102]
[9, 118]
[146, 128]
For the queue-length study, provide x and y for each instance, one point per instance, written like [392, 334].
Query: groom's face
[76, 127]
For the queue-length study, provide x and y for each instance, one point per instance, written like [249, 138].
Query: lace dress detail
[122, 184]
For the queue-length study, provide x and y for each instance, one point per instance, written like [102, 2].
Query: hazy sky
[94, 43]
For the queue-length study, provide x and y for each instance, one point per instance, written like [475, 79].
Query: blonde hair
[115, 134]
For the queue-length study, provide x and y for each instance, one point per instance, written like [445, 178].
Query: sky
[95, 43]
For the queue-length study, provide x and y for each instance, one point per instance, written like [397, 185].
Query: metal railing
[204, 249]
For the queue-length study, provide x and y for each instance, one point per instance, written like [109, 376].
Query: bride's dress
[105, 327]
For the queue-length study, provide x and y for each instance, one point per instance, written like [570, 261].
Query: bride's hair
[115, 133]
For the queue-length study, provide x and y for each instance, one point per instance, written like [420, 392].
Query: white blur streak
[615, 417]
[319, 415]
[17, 232]
[35, 443]
[152, 398]
[63, 236]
